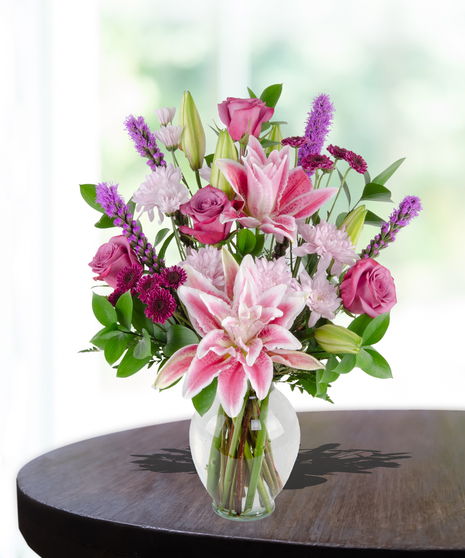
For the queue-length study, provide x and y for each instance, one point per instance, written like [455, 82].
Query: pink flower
[205, 209]
[111, 258]
[368, 288]
[274, 195]
[207, 261]
[244, 116]
[244, 330]
[323, 299]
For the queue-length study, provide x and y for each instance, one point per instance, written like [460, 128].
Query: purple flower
[144, 141]
[408, 208]
[356, 162]
[146, 284]
[337, 152]
[160, 305]
[295, 141]
[318, 124]
[115, 295]
[315, 161]
[173, 276]
[129, 277]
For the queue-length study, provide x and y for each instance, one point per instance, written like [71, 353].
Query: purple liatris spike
[144, 141]
[107, 196]
[317, 128]
[409, 208]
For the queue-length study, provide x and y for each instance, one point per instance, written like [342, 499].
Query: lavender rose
[243, 116]
[205, 209]
[368, 288]
[111, 258]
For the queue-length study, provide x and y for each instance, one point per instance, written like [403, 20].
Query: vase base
[249, 516]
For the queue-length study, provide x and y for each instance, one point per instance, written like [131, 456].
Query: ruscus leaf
[386, 174]
[130, 365]
[376, 192]
[245, 241]
[204, 400]
[124, 309]
[179, 336]
[376, 329]
[89, 194]
[271, 94]
[103, 310]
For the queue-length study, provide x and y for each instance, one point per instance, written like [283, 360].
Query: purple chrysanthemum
[129, 277]
[316, 161]
[337, 152]
[318, 124]
[160, 305]
[295, 141]
[356, 162]
[173, 276]
[146, 284]
[115, 295]
[144, 141]
[408, 208]
[116, 209]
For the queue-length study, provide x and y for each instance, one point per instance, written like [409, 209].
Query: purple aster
[115, 295]
[173, 276]
[317, 128]
[144, 141]
[128, 278]
[408, 208]
[356, 162]
[295, 141]
[337, 152]
[160, 305]
[316, 161]
[146, 284]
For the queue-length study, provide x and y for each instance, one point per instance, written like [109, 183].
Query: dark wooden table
[366, 483]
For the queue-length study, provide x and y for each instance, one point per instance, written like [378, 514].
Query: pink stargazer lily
[244, 329]
[274, 195]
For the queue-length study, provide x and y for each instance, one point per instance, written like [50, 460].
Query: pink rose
[368, 288]
[205, 208]
[243, 116]
[111, 258]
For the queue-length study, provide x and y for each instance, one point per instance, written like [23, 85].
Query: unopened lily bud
[275, 135]
[225, 149]
[336, 339]
[193, 136]
[353, 223]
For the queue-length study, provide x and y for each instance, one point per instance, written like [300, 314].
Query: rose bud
[193, 136]
[224, 149]
[336, 339]
[353, 223]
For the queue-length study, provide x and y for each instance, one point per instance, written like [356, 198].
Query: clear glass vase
[245, 461]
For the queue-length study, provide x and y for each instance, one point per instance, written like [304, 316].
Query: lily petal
[200, 316]
[232, 387]
[296, 359]
[176, 366]
[260, 374]
[291, 305]
[201, 373]
[216, 341]
[231, 267]
[307, 204]
[276, 337]
[235, 174]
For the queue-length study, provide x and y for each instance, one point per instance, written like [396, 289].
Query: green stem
[331, 173]
[197, 177]
[338, 192]
[178, 242]
[214, 461]
[260, 485]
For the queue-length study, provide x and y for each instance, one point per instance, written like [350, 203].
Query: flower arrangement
[265, 267]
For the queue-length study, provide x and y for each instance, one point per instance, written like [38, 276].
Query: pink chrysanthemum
[207, 261]
[322, 300]
[146, 284]
[337, 152]
[115, 295]
[274, 273]
[160, 305]
[356, 162]
[128, 277]
[328, 242]
[316, 161]
[295, 141]
[173, 276]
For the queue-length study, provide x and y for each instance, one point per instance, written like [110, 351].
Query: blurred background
[72, 72]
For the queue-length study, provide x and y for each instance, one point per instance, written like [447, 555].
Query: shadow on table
[310, 468]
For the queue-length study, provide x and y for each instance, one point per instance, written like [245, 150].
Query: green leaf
[179, 336]
[341, 218]
[269, 143]
[379, 367]
[91, 350]
[367, 178]
[373, 219]
[259, 243]
[124, 309]
[345, 186]
[132, 208]
[376, 192]
[104, 222]
[89, 194]
[116, 346]
[346, 365]
[329, 374]
[271, 95]
[103, 310]
[251, 93]
[160, 236]
[143, 347]
[139, 319]
[101, 337]
[209, 159]
[204, 400]
[309, 385]
[386, 174]
[360, 323]
[130, 365]
[245, 241]
[216, 131]
[161, 253]
[364, 360]
[265, 126]
[376, 329]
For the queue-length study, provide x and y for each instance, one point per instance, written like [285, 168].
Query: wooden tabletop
[366, 483]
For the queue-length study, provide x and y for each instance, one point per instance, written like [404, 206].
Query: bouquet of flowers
[265, 266]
